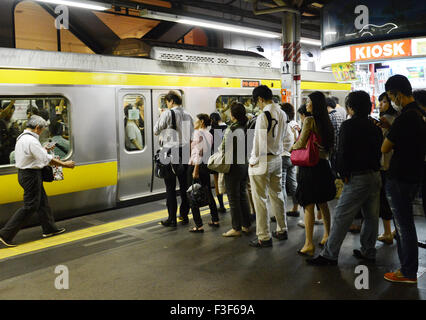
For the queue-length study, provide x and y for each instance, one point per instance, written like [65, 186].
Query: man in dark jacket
[358, 163]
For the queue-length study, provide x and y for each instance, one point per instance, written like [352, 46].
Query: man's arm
[259, 138]
[163, 122]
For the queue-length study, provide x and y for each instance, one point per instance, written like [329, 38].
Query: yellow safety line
[83, 234]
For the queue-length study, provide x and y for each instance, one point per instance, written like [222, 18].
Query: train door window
[14, 115]
[134, 122]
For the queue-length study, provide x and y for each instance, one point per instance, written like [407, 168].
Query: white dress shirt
[274, 137]
[184, 127]
[29, 153]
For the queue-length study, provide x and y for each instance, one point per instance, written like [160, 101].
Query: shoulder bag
[309, 156]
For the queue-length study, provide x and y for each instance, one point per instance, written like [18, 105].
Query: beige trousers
[265, 184]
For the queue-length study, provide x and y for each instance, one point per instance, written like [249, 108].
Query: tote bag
[309, 156]
[217, 163]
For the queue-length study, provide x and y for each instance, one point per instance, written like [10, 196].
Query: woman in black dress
[315, 185]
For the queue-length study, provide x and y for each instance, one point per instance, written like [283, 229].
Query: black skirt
[315, 184]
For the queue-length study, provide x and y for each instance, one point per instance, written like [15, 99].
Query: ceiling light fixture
[230, 28]
[208, 24]
[92, 5]
[311, 42]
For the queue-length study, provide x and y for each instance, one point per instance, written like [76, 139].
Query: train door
[134, 143]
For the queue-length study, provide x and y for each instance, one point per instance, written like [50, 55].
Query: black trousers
[424, 189]
[204, 177]
[385, 211]
[171, 202]
[236, 188]
[35, 200]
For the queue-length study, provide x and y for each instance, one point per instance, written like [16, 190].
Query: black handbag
[47, 174]
[198, 195]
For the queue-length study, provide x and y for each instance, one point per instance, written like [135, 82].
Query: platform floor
[126, 254]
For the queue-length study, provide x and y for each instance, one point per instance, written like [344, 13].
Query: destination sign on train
[250, 83]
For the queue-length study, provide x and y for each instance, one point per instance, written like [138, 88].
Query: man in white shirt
[265, 169]
[31, 157]
[175, 128]
[133, 133]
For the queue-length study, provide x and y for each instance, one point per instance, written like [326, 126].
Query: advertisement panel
[355, 21]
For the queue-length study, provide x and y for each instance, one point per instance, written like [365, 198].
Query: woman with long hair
[234, 145]
[315, 185]
[217, 130]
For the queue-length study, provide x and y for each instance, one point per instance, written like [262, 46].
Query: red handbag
[309, 156]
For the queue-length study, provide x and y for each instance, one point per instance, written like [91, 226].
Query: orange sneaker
[397, 276]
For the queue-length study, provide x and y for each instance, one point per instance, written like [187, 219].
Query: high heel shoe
[309, 253]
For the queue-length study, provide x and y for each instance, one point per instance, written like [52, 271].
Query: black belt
[358, 173]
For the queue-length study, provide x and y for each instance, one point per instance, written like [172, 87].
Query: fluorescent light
[225, 27]
[80, 4]
[312, 42]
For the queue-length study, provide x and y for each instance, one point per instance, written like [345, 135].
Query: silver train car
[87, 95]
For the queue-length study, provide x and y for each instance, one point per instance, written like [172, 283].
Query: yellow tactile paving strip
[68, 237]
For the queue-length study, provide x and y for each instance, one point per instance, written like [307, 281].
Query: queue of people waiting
[375, 166]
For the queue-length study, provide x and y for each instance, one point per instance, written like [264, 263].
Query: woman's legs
[309, 228]
[325, 212]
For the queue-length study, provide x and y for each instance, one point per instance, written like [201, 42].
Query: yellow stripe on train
[12, 76]
[81, 178]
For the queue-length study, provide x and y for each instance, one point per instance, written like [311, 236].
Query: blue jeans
[289, 180]
[362, 192]
[400, 197]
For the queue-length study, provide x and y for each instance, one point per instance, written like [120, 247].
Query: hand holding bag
[309, 156]
[197, 195]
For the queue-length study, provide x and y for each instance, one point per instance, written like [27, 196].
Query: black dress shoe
[6, 243]
[422, 244]
[221, 210]
[168, 223]
[321, 261]
[184, 221]
[359, 255]
[273, 219]
[260, 243]
[280, 235]
[293, 214]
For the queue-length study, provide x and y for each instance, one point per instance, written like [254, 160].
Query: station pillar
[290, 65]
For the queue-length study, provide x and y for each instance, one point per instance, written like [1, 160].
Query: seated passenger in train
[133, 134]
[62, 146]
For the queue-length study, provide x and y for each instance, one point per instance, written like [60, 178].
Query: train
[88, 94]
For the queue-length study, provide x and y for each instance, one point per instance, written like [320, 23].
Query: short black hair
[126, 110]
[44, 114]
[420, 97]
[263, 92]
[330, 103]
[175, 97]
[33, 110]
[238, 111]
[359, 102]
[215, 118]
[302, 110]
[383, 96]
[399, 83]
[336, 100]
[205, 118]
[56, 129]
[289, 110]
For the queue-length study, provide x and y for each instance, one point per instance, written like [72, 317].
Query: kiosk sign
[381, 50]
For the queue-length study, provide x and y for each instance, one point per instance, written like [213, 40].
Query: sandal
[214, 224]
[196, 230]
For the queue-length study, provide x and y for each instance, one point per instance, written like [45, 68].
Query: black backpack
[251, 124]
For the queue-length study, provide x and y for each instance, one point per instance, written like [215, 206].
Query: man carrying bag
[31, 158]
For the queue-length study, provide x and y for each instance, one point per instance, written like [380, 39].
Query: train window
[14, 114]
[224, 102]
[134, 122]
